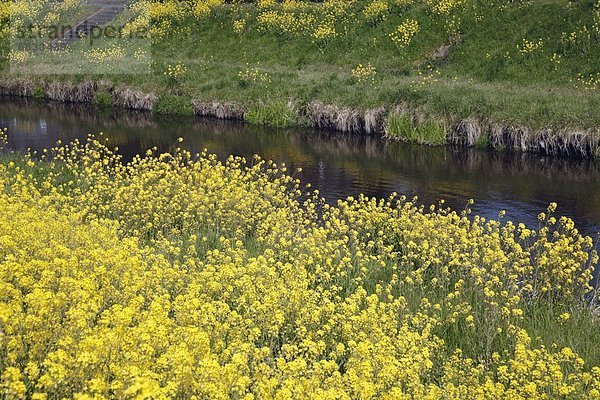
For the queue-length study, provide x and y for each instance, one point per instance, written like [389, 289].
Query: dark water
[339, 165]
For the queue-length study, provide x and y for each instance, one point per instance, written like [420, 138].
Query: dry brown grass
[216, 109]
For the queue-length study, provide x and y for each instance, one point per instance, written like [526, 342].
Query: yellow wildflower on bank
[364, 73]
[180, 276]
[405, 33]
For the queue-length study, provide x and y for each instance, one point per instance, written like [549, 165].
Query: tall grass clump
[174, 105]
[179, 276]
[278, 114]
[401, 126]
[38, 93]
[103, 98]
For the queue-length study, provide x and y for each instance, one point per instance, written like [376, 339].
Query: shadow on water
[339, 165]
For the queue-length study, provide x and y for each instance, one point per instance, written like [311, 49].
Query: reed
[70, 92]
[134, 99]
[402, 124]
[278, 114]
[218, 109]
[329, 116]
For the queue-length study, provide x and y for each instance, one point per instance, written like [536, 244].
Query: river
[338, 165]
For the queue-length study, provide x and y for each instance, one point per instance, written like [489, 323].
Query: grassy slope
[477, 79]
[484, 76]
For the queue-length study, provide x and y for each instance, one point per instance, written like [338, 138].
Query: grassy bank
[484, 75]
[177, 276]
[522, 72]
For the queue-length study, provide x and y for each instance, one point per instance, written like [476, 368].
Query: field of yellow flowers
[181, 276]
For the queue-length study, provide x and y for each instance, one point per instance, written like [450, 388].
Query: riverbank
[401, 122]
[337, 164]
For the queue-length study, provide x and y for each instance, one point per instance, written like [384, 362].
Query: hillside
[534, 64]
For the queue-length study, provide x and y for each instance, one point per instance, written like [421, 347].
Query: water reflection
[339, 165]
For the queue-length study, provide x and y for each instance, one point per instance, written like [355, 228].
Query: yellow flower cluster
[265, 4]
[51, 18]
[16, 15]
[364, 73]
[3, 138]
[529, 47]
[300, 18]
[578, 39]
[590, 82]
[180, 276]
[19, 56]
[426, 77]
[203, 8]
[289, 17]
[159, 16]
[325, 30]
[445, 7]
[530, 373]
[105, 56]
[376, 11]
[175, 72]
[253, 76]
[404, 3]
[6, 11]
[239, 25]
[164, 10]
[404, 33]
[140, 21]
[287, 22]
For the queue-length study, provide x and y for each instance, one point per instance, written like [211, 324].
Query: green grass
[103, 98]
[273, 113]
[38, 93]
[482, 142]
[174, 105]
[400, 126]
[483, 76]
[470, 84]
